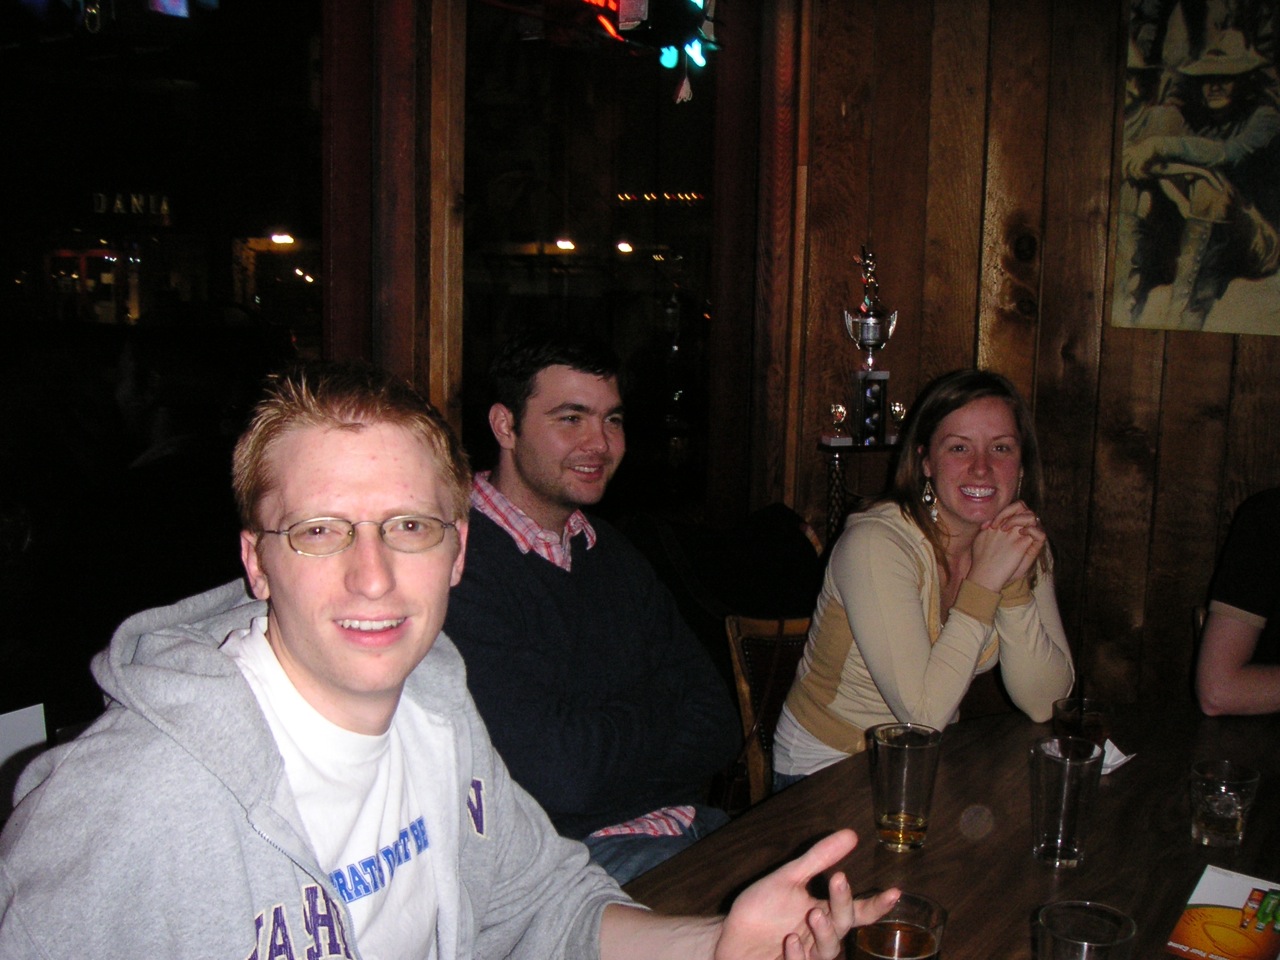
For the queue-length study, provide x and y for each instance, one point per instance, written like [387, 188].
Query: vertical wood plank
[1013, 213]
[395, 266]
[1193, 412]
[904, 139]
[795, 341]
[1077, 184]
[781, 210]
[1124, 471]
[438, 313]
[1253, 439]
[957, 125]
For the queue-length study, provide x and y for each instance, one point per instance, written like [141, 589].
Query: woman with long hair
[944, 577]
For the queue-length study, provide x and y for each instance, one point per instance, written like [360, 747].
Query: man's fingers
[828, 942]
[870, 909]
[840, 900]
[824, 854]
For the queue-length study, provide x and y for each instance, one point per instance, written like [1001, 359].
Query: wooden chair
[764, 655]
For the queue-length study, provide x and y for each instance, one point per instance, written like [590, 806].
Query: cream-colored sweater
[882, 587]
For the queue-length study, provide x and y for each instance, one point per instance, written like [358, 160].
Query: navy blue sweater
[600, 699]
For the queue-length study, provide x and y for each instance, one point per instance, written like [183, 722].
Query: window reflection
[588, 204]
[152, 151]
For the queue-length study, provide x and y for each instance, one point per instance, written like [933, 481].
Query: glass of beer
[911, 930]
[1086, 717]
[1222, 793]
[904, 761]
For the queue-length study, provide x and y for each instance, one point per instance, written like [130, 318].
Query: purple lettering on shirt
[280, 945]
[321, 917]
[257, 934]
[475, 805]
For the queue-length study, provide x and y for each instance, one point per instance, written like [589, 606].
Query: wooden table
[977, 860]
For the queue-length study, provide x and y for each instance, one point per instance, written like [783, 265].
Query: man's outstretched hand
[773, 919]
[777, 917]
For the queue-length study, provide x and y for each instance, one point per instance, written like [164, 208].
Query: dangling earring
[1018, 493]
[930, 499]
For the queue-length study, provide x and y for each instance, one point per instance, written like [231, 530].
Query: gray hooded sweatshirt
[168, 829]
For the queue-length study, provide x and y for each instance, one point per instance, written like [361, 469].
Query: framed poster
[1198, 229]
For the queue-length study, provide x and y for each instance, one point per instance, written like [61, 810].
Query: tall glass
[1064, 781]
[904, 762]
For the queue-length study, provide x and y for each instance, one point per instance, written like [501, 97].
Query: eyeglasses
[326, 536]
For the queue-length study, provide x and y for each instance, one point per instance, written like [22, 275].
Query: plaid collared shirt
[524, 530]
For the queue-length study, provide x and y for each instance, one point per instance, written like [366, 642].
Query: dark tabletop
[977, 860]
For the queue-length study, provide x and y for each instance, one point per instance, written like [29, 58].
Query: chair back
[764, 655]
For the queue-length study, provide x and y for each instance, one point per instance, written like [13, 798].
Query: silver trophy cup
[870, 327]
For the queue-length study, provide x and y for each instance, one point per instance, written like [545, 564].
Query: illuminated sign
[606, 16]
[154, 206]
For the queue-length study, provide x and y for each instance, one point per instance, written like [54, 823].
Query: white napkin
[1113, 757]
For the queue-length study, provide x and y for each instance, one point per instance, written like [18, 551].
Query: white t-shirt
[375, 808]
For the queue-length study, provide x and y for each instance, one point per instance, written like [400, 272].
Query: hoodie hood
[163, 666]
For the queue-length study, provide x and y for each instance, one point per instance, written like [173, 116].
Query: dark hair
[936, 402]
[524, 356]
[341, 396]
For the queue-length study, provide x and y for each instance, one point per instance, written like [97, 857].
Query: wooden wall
[972, 145]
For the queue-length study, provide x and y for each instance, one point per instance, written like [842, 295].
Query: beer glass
[904, 761]
[911, 930]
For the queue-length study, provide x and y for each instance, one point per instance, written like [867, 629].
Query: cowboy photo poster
[1198, 230]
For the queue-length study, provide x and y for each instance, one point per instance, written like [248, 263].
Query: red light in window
[609, 28]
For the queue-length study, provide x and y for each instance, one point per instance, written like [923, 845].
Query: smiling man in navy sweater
[600, 699]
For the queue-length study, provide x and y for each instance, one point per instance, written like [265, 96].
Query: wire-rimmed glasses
[326, 536]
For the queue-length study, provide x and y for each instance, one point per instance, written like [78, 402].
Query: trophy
[837, 435]
[870, 327]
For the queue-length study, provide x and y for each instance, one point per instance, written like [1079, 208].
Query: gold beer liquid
[901, 831]
[894, 940]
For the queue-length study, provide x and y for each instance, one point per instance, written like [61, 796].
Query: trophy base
[870, 407]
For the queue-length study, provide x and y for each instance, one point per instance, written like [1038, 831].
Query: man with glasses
[301, 773]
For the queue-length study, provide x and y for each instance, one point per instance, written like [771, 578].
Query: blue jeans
[626, 857]
[783, 780]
